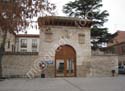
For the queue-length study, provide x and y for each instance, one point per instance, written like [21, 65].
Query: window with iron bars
[34, 43]
[23, 43]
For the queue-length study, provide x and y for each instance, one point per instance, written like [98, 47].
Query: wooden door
[65, 61]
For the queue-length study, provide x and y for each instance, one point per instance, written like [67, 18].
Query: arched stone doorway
[65, 61]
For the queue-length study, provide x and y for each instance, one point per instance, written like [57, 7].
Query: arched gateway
[65, 61]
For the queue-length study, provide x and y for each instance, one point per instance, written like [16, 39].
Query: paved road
[64, 84]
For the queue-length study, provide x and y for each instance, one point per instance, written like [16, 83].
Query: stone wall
[84, 69]
[17, 65]
[103, 65]
[121, 59]
[97, 66]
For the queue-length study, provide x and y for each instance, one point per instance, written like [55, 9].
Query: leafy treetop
[16, 15]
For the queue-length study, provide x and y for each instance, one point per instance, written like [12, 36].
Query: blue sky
[116, 9]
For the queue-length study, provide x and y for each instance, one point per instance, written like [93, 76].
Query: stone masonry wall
[17, 65]
[122, 59]
[103, 65]
[59, 34]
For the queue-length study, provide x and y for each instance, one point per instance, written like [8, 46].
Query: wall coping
[104, 55]
[20, 53]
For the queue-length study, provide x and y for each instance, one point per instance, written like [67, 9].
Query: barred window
[34, 43]
[23, 43]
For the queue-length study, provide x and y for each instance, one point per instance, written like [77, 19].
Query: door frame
[65, 62]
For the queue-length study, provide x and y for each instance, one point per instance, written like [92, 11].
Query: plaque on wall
[48, 35]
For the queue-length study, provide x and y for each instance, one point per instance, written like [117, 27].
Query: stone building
[66, 43]
[65, 47]
[116, 44]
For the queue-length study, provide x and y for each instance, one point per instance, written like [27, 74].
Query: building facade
[20, 42]
[27, 43]
[64, 45]
[116, 44]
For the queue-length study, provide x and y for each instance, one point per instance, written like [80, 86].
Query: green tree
[90, 9]
[17, 15]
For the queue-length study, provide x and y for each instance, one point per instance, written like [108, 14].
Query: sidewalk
[64, 84]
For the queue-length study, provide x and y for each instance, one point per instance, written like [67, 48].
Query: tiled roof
[63, 21]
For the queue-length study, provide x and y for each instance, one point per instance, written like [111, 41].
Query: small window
[81, 38]
[8, 44]
[23, 43]
[34, 43]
